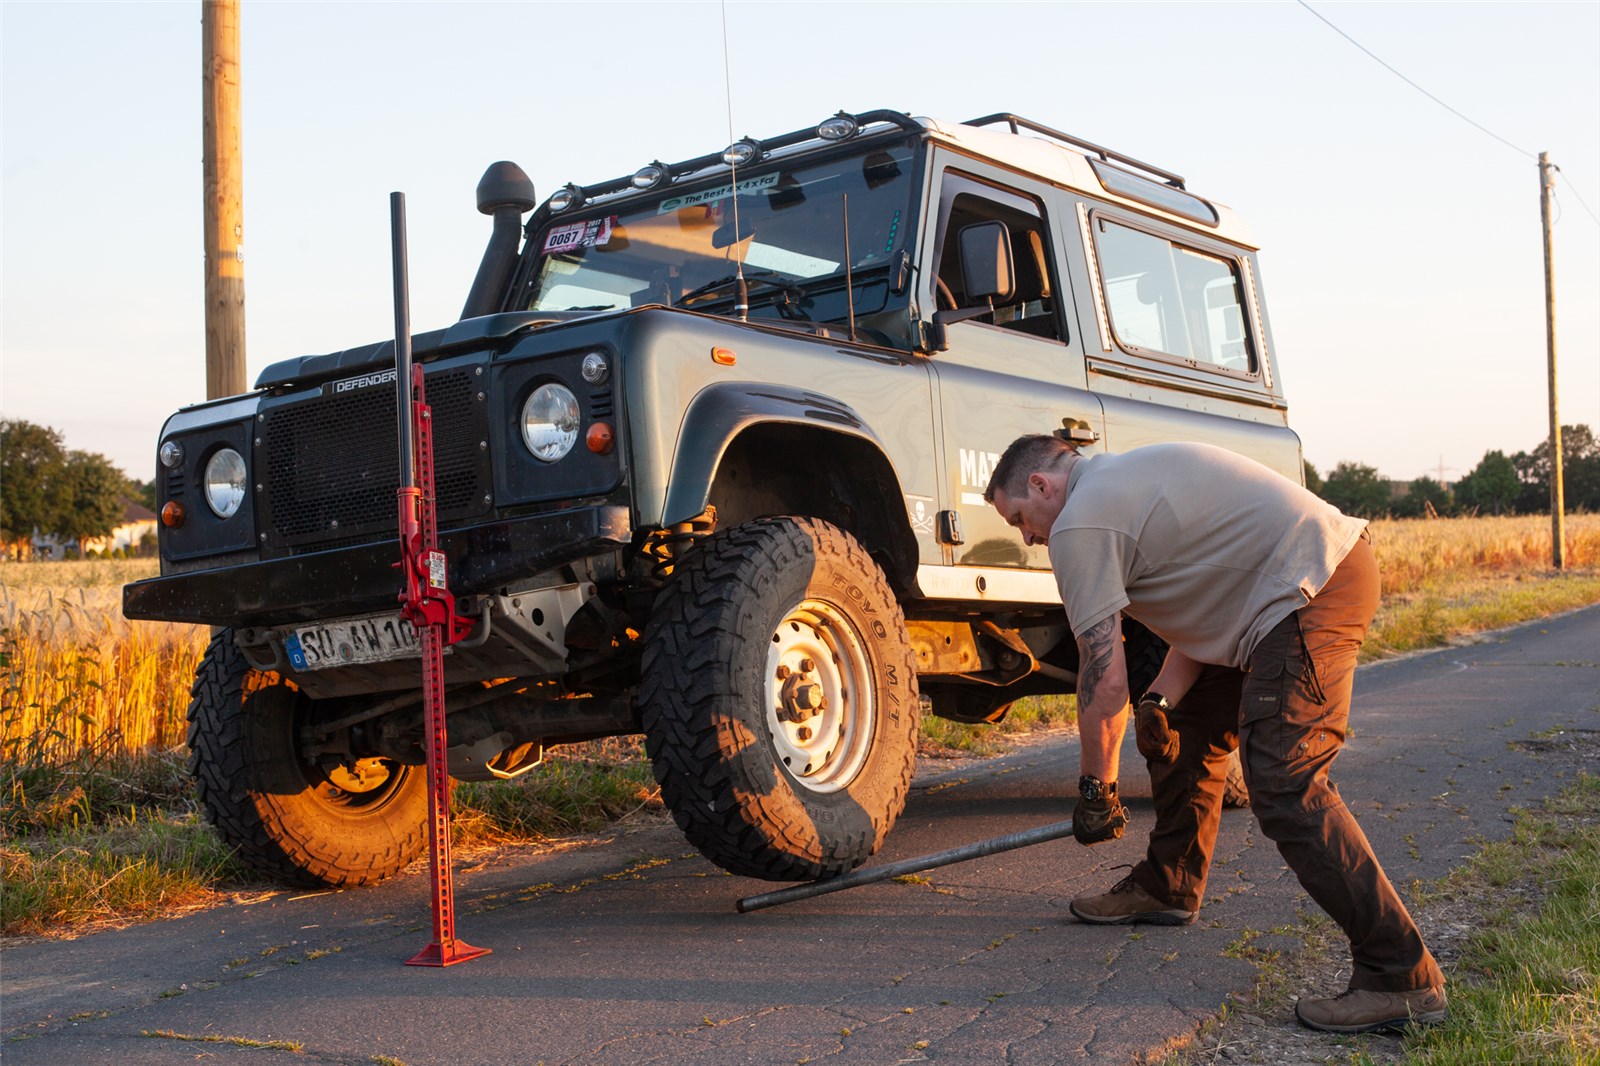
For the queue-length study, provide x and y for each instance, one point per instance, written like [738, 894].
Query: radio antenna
[849, 281]
[741, 300]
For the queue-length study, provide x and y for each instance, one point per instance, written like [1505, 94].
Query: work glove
[1157, 740]
[1098, 820]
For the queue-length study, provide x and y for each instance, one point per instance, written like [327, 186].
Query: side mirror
[988, 270]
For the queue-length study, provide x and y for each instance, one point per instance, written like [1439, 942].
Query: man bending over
[1264, 594]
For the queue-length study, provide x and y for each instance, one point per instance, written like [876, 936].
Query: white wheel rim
[824, 752]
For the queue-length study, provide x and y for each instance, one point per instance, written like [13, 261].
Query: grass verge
[102, 837]
[1524, 979]
[115, 838]
[1527, 985]
[1454, 606]
[125, 868]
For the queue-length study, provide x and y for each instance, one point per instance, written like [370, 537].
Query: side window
[1170, 299]
[1032, 307]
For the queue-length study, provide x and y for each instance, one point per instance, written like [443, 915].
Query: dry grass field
[76, 675]
[1444, 579]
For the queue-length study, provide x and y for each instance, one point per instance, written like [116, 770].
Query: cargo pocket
[1266, 741]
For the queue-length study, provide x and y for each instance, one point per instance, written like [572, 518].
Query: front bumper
[364, 578]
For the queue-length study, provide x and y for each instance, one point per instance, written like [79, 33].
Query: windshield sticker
[722, 192]
[594, 233]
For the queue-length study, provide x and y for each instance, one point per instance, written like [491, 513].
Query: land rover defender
[711, 441]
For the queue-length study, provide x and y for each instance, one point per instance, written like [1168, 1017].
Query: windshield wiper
[764, 277]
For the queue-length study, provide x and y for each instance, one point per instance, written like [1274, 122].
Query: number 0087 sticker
[596, 231]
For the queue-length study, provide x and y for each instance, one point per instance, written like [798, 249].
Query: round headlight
[225, 479]
[550, 422]
[171, 454]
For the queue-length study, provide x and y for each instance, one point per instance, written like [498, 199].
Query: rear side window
[1166, 298]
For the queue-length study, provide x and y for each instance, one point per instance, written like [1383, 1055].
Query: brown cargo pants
[1287, 712]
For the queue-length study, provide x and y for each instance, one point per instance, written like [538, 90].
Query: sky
[1401, 251]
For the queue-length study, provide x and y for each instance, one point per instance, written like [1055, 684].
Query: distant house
[137, 521]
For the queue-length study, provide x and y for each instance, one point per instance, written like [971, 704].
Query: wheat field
[76, 676]
[1412, 552]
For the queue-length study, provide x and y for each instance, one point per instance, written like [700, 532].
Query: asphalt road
[628, 950]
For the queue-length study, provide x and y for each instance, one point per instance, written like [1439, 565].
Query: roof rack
[691, 167]
[1014, 121]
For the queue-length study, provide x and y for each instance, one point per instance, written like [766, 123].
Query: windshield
[681, 248]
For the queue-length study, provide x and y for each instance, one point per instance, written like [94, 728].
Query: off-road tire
[1144, 652]
[743, 603]
[282, 816]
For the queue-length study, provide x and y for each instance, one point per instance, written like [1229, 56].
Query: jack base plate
[447, 954]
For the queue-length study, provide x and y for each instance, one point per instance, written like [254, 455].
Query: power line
[1414, 85]
[1574, 189]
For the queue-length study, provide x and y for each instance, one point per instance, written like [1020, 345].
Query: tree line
[46, 487]
[1499, 484]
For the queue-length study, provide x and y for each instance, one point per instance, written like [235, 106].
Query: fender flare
[720, 412]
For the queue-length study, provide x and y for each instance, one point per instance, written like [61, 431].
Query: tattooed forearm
[1096, 646]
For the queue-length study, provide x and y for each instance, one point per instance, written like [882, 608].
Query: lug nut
[783, 673]
[803, 734]
[807, 665]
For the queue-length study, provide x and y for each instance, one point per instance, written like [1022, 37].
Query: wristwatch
[1156, 698]
[1093, 789]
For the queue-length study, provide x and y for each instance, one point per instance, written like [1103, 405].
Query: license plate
[350, 641]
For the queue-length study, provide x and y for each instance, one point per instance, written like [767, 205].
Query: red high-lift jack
[427, 602]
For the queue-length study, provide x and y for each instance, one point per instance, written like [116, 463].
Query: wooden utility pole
[224, 199]
[1547, 181]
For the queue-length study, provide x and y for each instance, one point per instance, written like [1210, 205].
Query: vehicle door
[1015, 369]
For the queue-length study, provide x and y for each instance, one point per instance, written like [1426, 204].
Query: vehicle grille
[330, 465]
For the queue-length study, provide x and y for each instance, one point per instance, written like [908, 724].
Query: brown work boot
[1365, 1011]
[1128, 904]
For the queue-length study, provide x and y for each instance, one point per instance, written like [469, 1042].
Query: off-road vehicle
[711, 441]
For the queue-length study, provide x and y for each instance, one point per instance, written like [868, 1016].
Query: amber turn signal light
[723, 356]
[172, 515]
[600, 438]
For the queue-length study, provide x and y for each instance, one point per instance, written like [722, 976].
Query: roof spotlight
[840, 127]
[649, 176]
[742, 153]
[566, 198]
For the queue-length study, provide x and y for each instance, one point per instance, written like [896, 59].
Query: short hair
[1026, 455]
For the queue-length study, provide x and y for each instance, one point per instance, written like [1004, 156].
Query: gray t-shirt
[1207, 548]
